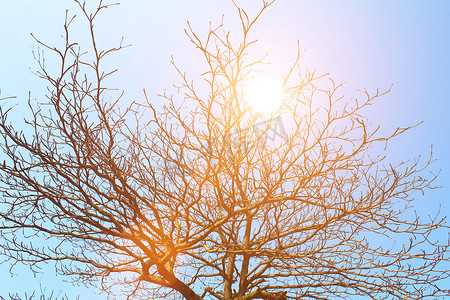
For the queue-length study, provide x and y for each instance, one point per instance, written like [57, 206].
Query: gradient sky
[367, 44]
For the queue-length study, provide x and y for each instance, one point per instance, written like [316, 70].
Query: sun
[264, 94]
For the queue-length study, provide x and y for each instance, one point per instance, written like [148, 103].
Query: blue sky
[367, 44]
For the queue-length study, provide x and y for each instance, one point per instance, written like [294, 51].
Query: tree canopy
[206, 198]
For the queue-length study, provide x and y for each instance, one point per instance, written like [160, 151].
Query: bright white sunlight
[264, 94]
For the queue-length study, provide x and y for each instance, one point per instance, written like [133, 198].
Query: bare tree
[206, 199]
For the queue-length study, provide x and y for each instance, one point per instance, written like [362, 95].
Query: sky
[366, 44]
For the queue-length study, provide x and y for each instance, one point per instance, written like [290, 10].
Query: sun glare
[264, 94]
